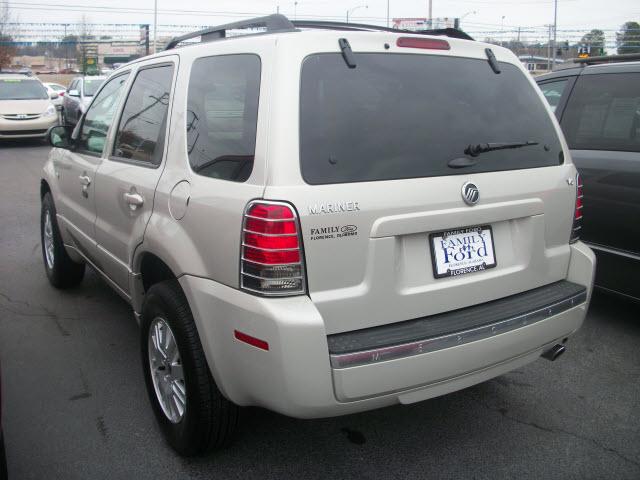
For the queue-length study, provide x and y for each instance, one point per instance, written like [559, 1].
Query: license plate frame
[469, 267]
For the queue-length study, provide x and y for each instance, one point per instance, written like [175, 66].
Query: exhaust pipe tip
[554, 352]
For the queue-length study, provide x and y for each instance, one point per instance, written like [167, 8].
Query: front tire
[194, 416]
[62, 272]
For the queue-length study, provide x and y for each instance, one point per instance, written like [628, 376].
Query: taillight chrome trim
[576, 224]
[301, 263]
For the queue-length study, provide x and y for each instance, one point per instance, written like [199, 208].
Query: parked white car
[320, 219]
[58, 90]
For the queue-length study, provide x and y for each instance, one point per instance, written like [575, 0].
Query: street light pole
[155, 25]
[387, 13]
[354, 9]
[555, 28]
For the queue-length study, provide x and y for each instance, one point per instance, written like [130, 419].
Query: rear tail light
[272, 261]
[577, 212]
[426, 43]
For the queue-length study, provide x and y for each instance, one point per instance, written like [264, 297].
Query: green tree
[595, 39]
[628, 38]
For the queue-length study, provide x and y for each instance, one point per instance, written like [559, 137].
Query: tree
[628, 38]
[7, 49]
[594, 39]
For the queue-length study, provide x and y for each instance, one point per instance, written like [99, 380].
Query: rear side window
[222, 116]
[553, 91]
[405, 116]
[603, 113]
[143, 123]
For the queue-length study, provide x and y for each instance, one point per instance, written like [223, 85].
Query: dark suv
[598, 106]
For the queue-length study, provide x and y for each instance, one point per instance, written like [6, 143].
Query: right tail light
[577, 212]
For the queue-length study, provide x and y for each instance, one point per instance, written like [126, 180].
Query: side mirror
[53, 96]
[74, 93]
[59, 137]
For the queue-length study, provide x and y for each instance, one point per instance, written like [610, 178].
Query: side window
[142, 128]
[96, 124]
[553, 92]
[73, 85]
[603, 113]
[222, 116]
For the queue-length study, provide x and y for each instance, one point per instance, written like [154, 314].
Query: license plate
[461, 251]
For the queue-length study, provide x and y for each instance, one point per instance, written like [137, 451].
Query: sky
[481, 18]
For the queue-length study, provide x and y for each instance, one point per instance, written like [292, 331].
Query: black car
[598, 106]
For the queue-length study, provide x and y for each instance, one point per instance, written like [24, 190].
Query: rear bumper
[295, 376]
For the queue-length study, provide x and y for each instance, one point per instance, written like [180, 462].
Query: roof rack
[448, 32]
[272, 24]
[625, 57]
[278, 23]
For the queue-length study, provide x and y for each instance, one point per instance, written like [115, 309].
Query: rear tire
[202, 419]
[62, 272]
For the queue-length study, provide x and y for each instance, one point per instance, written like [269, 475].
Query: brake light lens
[577, 212]
[272, 261]
[426, 43]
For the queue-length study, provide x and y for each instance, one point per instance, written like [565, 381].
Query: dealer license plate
[461, 251]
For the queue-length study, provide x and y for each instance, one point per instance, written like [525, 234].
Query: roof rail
[272, 23]
[625, 57]
[449, 32]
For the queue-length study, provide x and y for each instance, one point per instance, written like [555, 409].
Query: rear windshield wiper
[475, 150]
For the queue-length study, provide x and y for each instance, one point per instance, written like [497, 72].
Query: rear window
[92, 86]
[400, 116]
[603, 113]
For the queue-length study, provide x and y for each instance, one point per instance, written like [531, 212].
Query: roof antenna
[492, 60]
[347, 53]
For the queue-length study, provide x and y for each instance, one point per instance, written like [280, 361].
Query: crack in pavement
[503, 411]
[47, 313]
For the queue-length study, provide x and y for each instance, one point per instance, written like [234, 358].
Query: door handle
[134, 200]
[85, 180]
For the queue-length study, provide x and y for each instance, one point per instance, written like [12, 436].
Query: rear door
[127, 179]
[388, 152]
[602, 125]
[76, 169]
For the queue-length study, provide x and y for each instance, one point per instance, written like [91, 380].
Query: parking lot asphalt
[75, 406]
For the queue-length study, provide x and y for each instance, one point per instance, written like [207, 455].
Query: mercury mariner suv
[320, 219]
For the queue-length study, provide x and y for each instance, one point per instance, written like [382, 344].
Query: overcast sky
[573, 15]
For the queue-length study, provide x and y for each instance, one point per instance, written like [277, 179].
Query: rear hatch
[387, 233]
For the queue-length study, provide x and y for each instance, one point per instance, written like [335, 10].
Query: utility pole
[555, 28]
[549, 48]
[430, 15]
[519, 34]
[155, 26]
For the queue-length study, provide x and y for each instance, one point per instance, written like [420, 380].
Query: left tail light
[272, 259]
[577, 212]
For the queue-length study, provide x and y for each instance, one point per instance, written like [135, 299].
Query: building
[537, 64]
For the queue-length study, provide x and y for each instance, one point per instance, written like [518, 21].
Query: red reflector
[271, 212]
[263, 241]
[256, 342]
[270, 257]
[428, 43]
[271, 228]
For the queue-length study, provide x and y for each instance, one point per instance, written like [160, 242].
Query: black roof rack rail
[624, 57]
[272, 23]
[279, 23]
[359, 27]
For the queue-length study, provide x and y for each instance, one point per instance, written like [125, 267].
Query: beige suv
[26, 108]
[320, 219]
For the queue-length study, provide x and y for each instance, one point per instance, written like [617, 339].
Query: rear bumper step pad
[444, 330]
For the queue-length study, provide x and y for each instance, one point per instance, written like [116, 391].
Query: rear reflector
[427, 43]
[253, 341]
[271, 254]
[577, 212]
